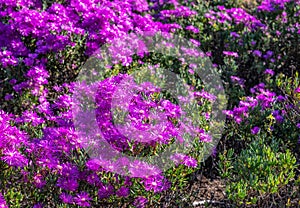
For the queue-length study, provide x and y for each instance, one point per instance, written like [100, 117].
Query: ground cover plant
[60, 136]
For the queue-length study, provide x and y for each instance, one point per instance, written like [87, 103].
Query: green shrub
[258, 171]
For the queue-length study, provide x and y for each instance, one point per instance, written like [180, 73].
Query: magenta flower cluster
[29, 32]
[40, 143]
[235, 16]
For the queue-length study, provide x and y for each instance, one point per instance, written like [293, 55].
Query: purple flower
[92, 178]
[268, 55]
[66, 198]
[279, 118]
[297, 90]
[205, 95]
[19, 87]
[142, 169]
[63, 101]
[190, 161]
[82, 199]
[14, 158]
[180, 11]
[214, 152]
[140, 202]
[3, 203]
[69, 170]
[69, 184]
[195, 43]
[38, 205]
[156, 183]
[39, 181]
[12, 81]
[47, 160]
[30, 117]
[230, 53]
[191, 71]
[257, 53]
[269, 71]
[241, 16]
[221, 8]
[186, 160]
[234, 34]
[204, 137]
[266, 98]
[298, 125]
[228, 113]
[281, 98]
[193, 29]
[178, 158]
[39, 74]
[8, 97]
[123, 192]
[278, 33]
[255, 130]
[93, 164]
[238, 80]
[105, 191]
[261, 85]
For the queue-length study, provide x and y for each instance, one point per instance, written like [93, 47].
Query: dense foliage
[45, 45]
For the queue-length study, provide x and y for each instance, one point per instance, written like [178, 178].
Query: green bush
[258, 171]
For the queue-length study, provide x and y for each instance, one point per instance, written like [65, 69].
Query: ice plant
[255, 130]
[82, 199]
[3, 203]
[43, 46]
